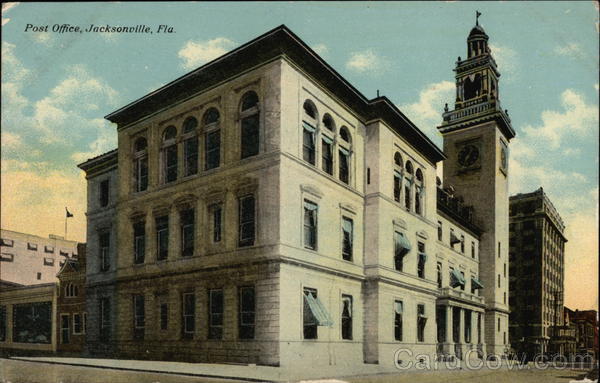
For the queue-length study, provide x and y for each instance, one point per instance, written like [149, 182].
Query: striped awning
[456, 279]
[476, 283]
[318, 310]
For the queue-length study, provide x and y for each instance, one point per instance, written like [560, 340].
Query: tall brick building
[537, 260]
[260, 209]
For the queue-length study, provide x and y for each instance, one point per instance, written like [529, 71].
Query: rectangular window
[498, 324]
[421, 322]
[7, 257]
[162, 237]
[344, 166]
[308, 145]
[170, 159]
[164, 316]
[462, 244]
[499, 249]
[247, 220]
[139, 242]
[3, 323]
[247, 317]
[498, 280]
[217, 222]
[104, 245]
[215, 318]
[104, 193]
[250, 136]
[468, 326]
[310, 225]
[346, 317]
[77, 324]
[309, 321]
[400, 250]
[418, 200]
[478, 328]
[48, 249]
[48, 261]
[422, 258]
[462, 286]
[348, 238]
[187, 232]
[141, 174]
[327, 156]
[65, 330]
[398, 312]
[39, 276]
[439, 275]
[32, 246]
[407, 197]
[139, 317]
[189, 315]
[7, 242]
[190, 154]
[397, 187]
[213, 149]
[473, 250]
[104, 322]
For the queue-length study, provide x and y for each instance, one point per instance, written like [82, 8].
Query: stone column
[461, 333]
[201, 227]
[174, 233]
[448, 346]
[151, 239]
[230, 220]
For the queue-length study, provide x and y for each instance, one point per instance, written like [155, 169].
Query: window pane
[246, 221]
[344, 171]
[327, 157]
[347, 229]
[170, 159]
[213, 149]
[308, 147]
[250, 136]
[191, 156]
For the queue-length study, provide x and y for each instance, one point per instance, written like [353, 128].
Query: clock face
[468, 155]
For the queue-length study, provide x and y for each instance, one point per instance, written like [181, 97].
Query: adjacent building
[537, 252]
[260, 209]
[27, 259]
[586, 324]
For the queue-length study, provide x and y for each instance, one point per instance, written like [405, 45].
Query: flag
[69, 215]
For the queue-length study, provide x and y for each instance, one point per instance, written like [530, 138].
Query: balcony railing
[470, 109]
[459, 294]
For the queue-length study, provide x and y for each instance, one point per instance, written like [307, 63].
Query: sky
[56, 88]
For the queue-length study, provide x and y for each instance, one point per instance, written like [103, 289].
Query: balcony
[472, 108]
[449, 292]
[453, 206]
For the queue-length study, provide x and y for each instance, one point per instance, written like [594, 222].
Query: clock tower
[476, 136]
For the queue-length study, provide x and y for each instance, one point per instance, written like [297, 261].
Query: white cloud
[38, 206]
[10, 140]
[365, 61]
[570, 49]
[572, 152]
[507, 60]
[426, 113]
[12, 68]
[576, 119]
[321, 49]
[5, 8]
[596, 86]
[43, 38]
[195, 53]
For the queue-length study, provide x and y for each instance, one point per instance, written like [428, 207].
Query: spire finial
[477, 14]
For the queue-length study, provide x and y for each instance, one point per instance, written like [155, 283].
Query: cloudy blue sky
[56, 88]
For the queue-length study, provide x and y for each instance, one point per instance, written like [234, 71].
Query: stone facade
[264, 211]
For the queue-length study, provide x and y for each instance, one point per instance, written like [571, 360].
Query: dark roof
[477, 31]
[98, 160]
[275, 43]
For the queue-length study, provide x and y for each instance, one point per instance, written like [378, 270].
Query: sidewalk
[251, 373]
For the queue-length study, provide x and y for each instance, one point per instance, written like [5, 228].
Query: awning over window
[309, 205]
[423, 256]
[308, 127]
[402, 244]
[398, 307]
[327, 139]
[318, 310]
[476, 283]
[344, 151]
[398, 174]
[456, 279]
[453, 239]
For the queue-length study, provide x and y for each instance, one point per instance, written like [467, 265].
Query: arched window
[309, 132]
[397, 176]
[407, 185]
[328, 122]
[344, 155]
[212, 134]
[140, 164]
[327, 151]
[419, 190]
[249, 116]
[169, 154]
[190, 146]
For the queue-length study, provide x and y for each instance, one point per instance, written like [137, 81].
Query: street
[16, 371]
